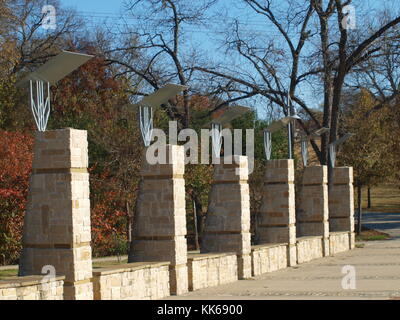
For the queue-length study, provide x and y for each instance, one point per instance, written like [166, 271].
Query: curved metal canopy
[57, 67]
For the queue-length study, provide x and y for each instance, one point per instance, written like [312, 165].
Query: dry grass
[8, 273]
[385, 198]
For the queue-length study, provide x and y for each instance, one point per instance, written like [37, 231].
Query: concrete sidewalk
[377, 268]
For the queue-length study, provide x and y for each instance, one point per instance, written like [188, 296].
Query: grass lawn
[8, 273]
[371, 235]
[384, 198]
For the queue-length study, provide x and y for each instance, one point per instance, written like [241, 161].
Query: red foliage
[15, 168]
[107, 218]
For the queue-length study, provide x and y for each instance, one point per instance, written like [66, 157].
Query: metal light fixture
[216, 126]
[281, 123]
[304, 142]
[48, 74]
[146, 124]
[154, 100]
[304, 150]
[216, 138]
[267, 144]
[333, 147]
[278, 125]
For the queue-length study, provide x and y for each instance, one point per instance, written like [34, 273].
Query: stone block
[341, 201]
[309, 248]
[313, 210]
[57, 221]
[279, 171]
[277, 217]
[160, 223]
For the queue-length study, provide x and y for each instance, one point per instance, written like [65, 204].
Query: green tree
[369, 151]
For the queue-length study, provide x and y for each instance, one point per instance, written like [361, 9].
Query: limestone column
[227, 226]
[277, 219]
[57, 219]
[341, 203]
[313, 213]
[159, 229]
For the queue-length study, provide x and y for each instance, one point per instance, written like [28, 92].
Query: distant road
[384, 222]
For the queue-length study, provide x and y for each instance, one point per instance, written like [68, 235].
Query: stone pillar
[57, 220]
[313, 213]
[341, 203]
[159, 229]
[277, 220]
[227, 226]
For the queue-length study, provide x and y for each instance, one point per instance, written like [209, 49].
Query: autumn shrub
[15, 168]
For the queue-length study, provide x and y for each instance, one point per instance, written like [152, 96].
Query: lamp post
[276, 126]
[217, 124]
[333, 147]
[304, 142]
[154, 100]
[46, 75]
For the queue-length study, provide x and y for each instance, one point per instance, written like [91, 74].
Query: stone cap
[338, 233]
[60, 149]
[315, 175]
[302, 239]
[343, 175]
[128, 267]
[204, 256]
[14, 282]
[260, 247]
[173, 161]
[232, 168]
[279, 170]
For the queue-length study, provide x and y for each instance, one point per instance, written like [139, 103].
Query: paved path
[377, 268]
[384, 222]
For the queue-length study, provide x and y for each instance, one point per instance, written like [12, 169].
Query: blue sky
[94, 5]
[107, 12]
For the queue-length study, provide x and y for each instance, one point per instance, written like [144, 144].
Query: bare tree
[158, 37]
[311, 48]
[34, 44]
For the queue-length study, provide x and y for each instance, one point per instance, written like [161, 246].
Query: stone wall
[341, 203]
[159, 228]
[268, 258]
[313, 210]
[339, 242]
[32, 288]
[57, 220]
[277, 217]
[57, 226]
[209, 270]
[227, 226]
[132, 281]
[309, 248]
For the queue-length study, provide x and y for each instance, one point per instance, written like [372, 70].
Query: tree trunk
[369, 198]
[196, 232]
[133, 216]
[359, 205]
[129, 222]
